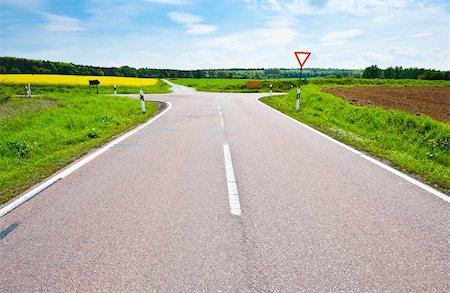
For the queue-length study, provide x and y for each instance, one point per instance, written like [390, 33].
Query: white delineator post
[28, 88]
[141, 94]
[297, 102]
[115, 90]
[270, 90]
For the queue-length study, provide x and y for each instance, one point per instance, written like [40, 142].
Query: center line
[233, 197]
[221, 119]
[222, 123]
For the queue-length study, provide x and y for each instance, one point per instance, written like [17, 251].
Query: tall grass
[414, 144]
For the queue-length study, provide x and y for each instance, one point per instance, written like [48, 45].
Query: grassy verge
[234, 85]
[160, 88]
[284, 85]
[418, 145]
[42, 134]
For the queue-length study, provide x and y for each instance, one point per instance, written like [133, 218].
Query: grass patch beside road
[42, 134]
[415, 144]
[285, 85]
[233, 85]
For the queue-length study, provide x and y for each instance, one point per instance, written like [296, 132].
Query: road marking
[233, 197]
[27, 196]
[368, 158]
[222, 123]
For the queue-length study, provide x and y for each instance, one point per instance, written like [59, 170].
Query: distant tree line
[21, 65]
[399, 72]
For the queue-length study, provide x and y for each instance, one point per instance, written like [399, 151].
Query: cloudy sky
[195, 34]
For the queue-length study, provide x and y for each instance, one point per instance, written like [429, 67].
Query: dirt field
[432, 101]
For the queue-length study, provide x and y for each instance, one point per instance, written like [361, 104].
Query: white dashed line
[233, 197]
[222, 123]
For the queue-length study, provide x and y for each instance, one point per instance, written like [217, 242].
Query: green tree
[372, 72]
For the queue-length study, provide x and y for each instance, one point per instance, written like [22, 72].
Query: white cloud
[303, 7]
[306, 7]
[359, 7]
[200, 29]
[184, 18]
[62, 23]
[422, 35]
[377, 58]
[192, 22]
[339, 37]
[275, 5]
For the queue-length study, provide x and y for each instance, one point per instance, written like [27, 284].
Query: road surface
[223, 194]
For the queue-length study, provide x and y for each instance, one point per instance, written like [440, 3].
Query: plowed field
[431, 101]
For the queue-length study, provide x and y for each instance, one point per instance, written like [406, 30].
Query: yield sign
[302, 57]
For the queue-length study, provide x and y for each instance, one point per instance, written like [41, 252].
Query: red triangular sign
[302, 57]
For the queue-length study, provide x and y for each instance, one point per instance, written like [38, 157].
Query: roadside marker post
[301, 58]
[141, 94]
[270, 90]
[115, 90]
[28, 88]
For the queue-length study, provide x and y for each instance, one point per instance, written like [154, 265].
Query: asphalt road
[153, 214]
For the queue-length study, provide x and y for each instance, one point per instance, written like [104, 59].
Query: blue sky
[195, 34]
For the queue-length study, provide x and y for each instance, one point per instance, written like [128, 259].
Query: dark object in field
[95, 82]
[254, 84]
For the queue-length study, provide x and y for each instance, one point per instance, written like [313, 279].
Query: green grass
[160, 88]
[284, 85]
[40, 135]
[233, 85]
[415, 144]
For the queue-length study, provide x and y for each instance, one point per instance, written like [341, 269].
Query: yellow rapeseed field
[53, 79]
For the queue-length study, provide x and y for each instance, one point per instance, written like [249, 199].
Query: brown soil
[432, 101]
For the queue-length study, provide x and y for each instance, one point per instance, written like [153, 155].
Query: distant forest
[21, 65]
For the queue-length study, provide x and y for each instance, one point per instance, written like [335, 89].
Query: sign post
[301, 58]
[95, 82]
[141, 94]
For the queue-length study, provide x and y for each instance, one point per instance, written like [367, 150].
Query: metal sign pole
[302, 57]
[299, 89]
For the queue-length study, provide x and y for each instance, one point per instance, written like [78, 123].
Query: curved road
[222, 194]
